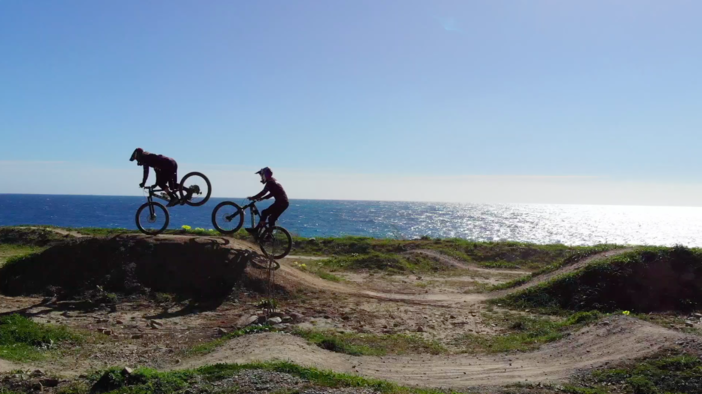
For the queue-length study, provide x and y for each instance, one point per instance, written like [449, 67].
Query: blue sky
[361, 99]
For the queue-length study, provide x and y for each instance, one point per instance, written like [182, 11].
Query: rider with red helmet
[271, 189]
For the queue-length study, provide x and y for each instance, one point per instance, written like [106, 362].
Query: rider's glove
[141, 185]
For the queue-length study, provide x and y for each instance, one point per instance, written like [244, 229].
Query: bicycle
[275, 241]
[195, 191]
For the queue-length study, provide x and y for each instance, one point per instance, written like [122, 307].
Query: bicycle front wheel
[276, 242]
[152, 218]
[196, 188]
[227, 217]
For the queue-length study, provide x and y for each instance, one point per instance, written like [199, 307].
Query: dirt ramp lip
[128, 264]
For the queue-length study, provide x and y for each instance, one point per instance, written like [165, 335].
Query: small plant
[186, 227]
[268, 304]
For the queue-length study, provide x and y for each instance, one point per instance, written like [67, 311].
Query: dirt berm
[131, 264]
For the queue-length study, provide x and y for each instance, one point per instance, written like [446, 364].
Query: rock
[605, 323]
[119, 322]
[276, 314]
[127, 371]
[101, 330]
[49, 382]
[698, 315]
[246, 320]
[261, 319]
[689, 323]
[37, 387]
[37, 373]
[297, 316]
[420, 329]
[137, 336]
[156, 323]
[221, 331]
[275, 320]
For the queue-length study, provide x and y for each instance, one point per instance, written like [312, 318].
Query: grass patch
[667, 372]
[388, 262]
[208, 347]
[371, 344]
[572, 258]
[8, 251]
[650, 279]
[487, 254]
[523, 333]
[21, 339]
[153, 382]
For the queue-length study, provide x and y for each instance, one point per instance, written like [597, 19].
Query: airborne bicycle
[152, 217]
[228, 217]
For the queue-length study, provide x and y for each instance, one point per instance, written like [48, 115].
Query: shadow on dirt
[187, 268]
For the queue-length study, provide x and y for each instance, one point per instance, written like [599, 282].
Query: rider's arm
[146, 173]
[262, 193]
[259, 195]
[267, 196]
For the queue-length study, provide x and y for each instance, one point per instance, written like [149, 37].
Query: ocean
[537, 223]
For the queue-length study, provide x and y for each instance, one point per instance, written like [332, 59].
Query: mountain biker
[166, 172]
[271, 189]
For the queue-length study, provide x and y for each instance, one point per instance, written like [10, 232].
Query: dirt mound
[654, 279]
[32, 236]
[129, 265]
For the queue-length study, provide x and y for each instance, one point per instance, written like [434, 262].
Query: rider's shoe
[174, 201]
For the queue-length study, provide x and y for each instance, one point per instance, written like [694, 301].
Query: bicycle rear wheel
[196, 188]
[227, 217]
[276, 242]
[265, 263]
[152, 218]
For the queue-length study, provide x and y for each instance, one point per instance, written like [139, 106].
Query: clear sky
[591, 101]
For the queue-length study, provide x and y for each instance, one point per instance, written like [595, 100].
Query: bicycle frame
[254, 212]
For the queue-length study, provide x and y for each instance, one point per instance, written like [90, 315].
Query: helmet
[265, 174]
[136, 155]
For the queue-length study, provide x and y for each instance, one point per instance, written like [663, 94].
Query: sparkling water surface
[566, 224]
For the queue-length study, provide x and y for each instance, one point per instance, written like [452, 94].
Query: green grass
[390, 262]
[523, 333]
[572, 258]
[630, 281]
[486, 254]
[149, 381]
[208, 347]
[667, 372]
[8, 251]
[371, 344]
[21, 339]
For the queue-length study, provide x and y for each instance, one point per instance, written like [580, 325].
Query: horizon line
[391, 201]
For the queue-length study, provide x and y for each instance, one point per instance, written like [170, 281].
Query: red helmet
[265, 174]
[136, 155]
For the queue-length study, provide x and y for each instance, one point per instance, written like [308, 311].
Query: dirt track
[621, 338]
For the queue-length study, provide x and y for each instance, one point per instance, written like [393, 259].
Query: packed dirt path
[618, 339]
[6, 366]
[448, 260]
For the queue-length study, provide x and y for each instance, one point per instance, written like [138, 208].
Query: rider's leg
[277, 209]
[162, 180]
